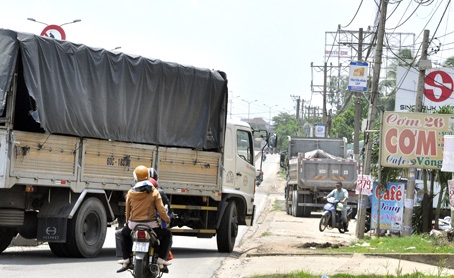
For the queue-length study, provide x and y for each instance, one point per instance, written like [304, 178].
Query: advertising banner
[319, 130]
[451, 192]
[364, 185]
[414, 139]
[391, 207]
[357, 80]
[438, 88]
[448, 153]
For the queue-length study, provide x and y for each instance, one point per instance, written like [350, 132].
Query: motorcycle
[145, 245]
[332, 216]
[367, 220]
[259, 177]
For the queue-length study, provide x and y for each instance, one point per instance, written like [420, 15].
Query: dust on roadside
[277, 234]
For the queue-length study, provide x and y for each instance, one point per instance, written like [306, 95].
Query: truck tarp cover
[89, 92]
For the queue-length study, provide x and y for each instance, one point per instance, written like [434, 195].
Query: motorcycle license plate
[140, 246]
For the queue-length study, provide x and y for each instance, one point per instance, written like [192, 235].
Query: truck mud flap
[52, 229]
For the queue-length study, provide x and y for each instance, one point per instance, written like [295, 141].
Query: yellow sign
[414, 139]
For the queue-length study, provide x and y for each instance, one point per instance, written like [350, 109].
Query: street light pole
[34, 20]
[51, 29]
[231, 103]
[248, 107]
[74, 21]
[270, 106]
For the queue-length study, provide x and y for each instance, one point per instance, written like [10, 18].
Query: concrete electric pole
[410, 194]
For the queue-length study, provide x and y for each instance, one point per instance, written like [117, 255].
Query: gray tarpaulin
[89, 92]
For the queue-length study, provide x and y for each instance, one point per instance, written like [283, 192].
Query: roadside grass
[380, 245]
[416, 274]
[277, 206]
[399, 245]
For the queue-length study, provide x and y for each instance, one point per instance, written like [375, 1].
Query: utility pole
[374, 90]
[410, 195]
[325, 77]
[363, 200]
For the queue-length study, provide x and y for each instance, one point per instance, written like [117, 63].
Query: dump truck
[313, 166]
[76, 120]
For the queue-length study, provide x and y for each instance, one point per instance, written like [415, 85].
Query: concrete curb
[444, 260]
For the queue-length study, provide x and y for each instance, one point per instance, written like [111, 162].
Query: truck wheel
[59, 249]
[87, 230]
[306, 211]
[288, 207]
[228, 230]
[6, 236]
[297, 211]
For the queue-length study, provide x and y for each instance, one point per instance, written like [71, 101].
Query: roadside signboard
[391, 207]
[54, 31]
[438, 88]
[357, 80]
[414, 140]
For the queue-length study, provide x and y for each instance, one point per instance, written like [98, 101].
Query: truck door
[245, 169]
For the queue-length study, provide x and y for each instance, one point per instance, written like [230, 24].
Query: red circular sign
[438, 86]
[54, 31]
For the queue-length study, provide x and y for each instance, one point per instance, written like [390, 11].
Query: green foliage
[344, 122]
[285, 125]
[338, 94]
[449, 63]
[415, 274]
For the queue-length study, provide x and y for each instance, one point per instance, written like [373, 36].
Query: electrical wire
[357, 10]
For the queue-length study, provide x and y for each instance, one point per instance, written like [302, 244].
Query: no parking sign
[54, 31]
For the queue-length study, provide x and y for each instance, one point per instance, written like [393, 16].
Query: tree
[285, 125]
[344, 121]
[338, 94]
[388, 87]
[449, 63]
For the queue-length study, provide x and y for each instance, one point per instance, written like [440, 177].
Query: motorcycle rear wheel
[324, 221]
[140, 268]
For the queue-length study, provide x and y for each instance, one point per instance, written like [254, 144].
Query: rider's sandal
[125, 267]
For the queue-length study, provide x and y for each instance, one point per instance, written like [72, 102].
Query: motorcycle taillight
[141, 234]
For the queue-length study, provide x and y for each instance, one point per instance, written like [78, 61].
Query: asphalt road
[192, 257]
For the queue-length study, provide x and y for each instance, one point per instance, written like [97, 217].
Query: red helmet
[154, 182]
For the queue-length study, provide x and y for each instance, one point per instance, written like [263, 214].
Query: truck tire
[6, 236]
[59, 249]
[288, 207]
[87, 230]
[297, 211]
[228, 230]
[306, 211]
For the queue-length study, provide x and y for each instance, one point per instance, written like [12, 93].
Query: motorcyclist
[165, 200]
[142, 203]
[341, 195]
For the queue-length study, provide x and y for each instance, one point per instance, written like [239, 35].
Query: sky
[265, 47]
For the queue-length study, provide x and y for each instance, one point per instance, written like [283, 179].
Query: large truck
[74, 123]
[313, 166]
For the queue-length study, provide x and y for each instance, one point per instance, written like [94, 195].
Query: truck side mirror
[273, 140]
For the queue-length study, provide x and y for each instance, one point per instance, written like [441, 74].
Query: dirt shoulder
[281, 243]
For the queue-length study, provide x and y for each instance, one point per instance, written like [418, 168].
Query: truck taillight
[29, 189]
